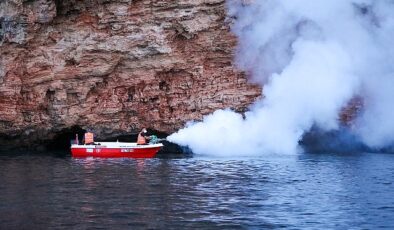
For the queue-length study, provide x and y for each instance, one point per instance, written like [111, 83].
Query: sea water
[307, 191]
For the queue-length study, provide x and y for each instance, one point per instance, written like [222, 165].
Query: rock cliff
[113, 66]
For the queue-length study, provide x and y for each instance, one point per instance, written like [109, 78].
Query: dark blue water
[309, 191]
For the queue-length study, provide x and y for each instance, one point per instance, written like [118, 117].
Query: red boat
[115, 150]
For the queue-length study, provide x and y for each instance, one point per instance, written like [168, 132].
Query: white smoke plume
[312, 57]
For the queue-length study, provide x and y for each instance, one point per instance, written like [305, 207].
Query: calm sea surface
[308, 191]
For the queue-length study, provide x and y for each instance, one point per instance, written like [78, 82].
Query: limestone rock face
[113, 66]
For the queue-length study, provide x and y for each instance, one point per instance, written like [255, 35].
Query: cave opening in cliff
[62, 139]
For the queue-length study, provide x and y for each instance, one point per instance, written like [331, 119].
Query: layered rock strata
[113, 66]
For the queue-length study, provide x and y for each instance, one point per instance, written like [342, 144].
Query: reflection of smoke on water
[312, 57]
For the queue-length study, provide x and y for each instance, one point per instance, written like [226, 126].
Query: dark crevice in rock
[1, 29]
[59, 7]
[71, 62]
[49, 100]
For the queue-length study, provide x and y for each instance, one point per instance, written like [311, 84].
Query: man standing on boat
[88, 138]
[143, 138]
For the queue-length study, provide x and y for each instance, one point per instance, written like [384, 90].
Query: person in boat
[143, 137]
[88, 138]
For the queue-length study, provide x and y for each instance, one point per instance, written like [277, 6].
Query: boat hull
[102, 151]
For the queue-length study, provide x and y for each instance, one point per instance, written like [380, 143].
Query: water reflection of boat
[115, 150]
